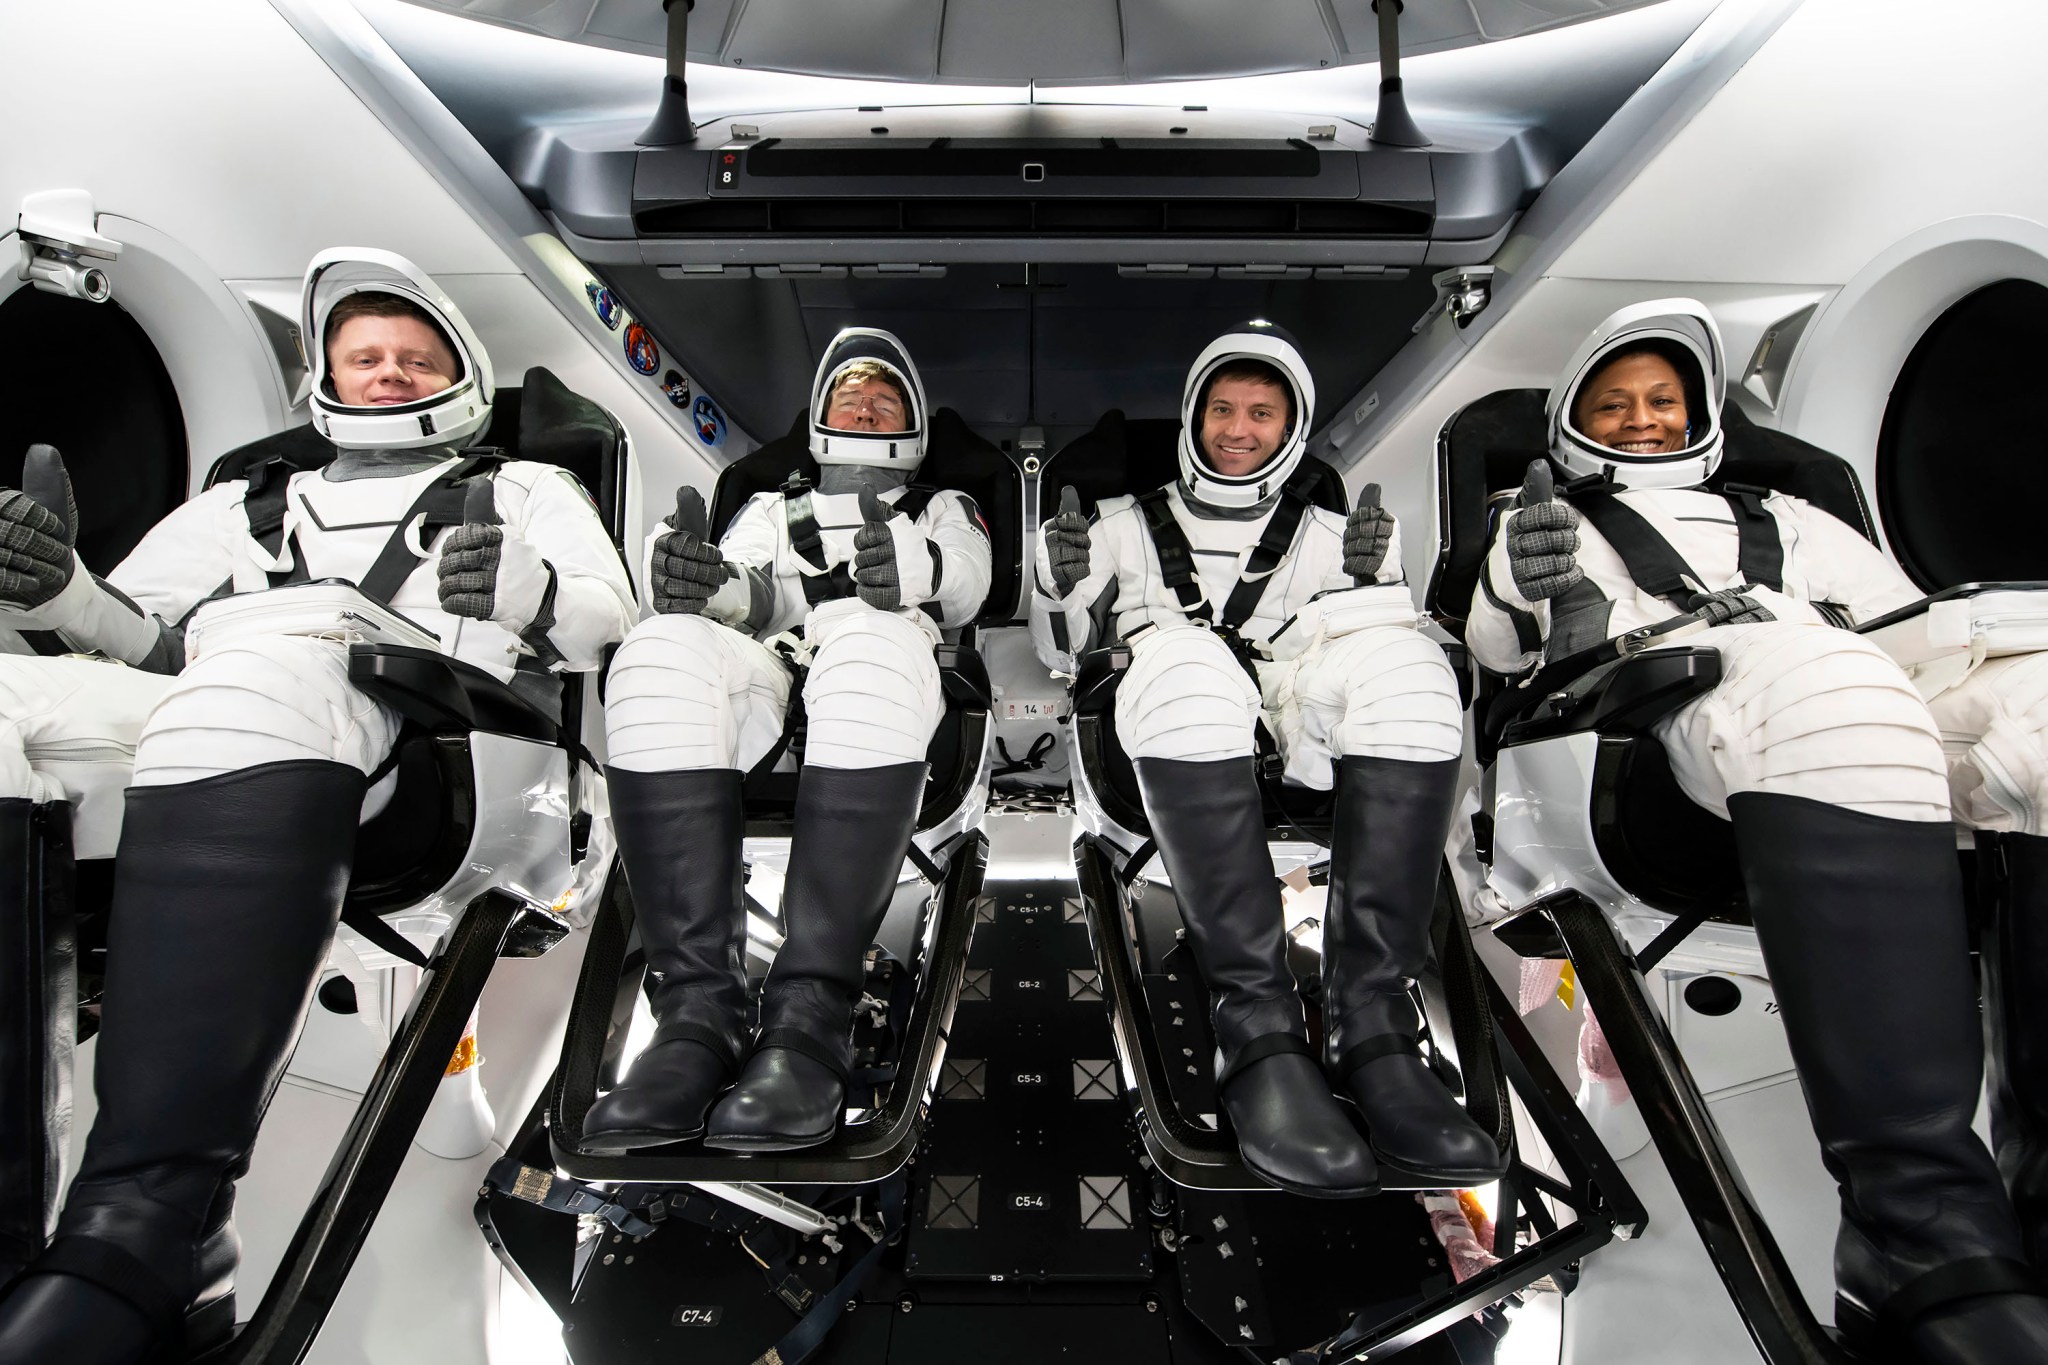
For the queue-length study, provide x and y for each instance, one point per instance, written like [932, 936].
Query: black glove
[688, 568]
[489, 574]
[1543, 538]
[1368, 532]
[37, 530]
[1066, 543]
[1730, 607]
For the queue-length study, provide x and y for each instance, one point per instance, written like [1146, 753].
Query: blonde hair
[861, 371]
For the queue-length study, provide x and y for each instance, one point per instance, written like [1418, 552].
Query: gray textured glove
[1730, 607]
[688, 568]
[490, 574]
[1543, 538]
[37, 529]
[1368, 533]
[894, 562]
[1067, 548]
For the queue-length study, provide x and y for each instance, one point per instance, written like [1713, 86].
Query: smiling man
[1243, 603]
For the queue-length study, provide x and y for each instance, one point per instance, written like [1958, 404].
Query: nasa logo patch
[641, 352]
[710, 421]
[677, 386]
[607, 307]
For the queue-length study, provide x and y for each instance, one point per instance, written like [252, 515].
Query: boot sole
[617, 1141]
[766, 1142]
[1436, 1177]
[1313, 1191]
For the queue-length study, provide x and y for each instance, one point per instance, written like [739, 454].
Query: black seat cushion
[1486, 447]
[542, 420]
[1120, 456]
[955, 458]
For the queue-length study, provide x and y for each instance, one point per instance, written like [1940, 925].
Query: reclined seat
[463, 865]
[1146, 977]
[1597, 855]
[899, 1056]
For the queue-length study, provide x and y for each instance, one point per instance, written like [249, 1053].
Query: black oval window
[85, 378]
[1961, 479]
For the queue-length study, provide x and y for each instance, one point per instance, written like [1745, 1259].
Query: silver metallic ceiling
[1081, 42]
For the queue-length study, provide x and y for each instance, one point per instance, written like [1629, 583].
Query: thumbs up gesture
[1368, 533]
[38, 526]
[1066, 542]
[1543, 538]
[895, 565]
[688, 568]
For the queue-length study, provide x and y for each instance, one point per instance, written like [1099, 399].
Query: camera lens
[93, 284]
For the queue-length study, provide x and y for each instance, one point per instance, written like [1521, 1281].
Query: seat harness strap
[1660, 570]
[1177, 556]
[830, 582]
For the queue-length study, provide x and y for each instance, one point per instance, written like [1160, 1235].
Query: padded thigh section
[685, 692]
[1994, 728]
[873, 691]
[1809, 711]
[1185, 697]
[1385, 692]
[266, 700]
[68, 729]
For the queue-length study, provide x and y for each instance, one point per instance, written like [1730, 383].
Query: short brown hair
[861, 371]
[377, 303]
[1254, 371]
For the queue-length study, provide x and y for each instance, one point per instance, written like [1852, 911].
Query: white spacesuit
[854, 578]
[1240, 600]
[255, 762]
[1820, 750]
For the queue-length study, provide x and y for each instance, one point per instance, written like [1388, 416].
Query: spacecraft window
[1962, 470]
[85, 378]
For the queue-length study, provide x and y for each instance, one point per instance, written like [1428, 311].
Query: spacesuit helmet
[869, 348]
[1682, 331]
[1257, 340]
[450, 417]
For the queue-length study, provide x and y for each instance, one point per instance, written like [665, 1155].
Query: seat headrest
[955, 457]
[1487, 445]
[1122, 456]
[542, 420]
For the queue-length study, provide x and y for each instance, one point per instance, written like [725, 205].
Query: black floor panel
[1034, 1231]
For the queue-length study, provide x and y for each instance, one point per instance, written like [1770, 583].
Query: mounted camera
[59, 241]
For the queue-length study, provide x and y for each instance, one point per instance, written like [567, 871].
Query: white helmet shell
[452, 417]
[1682, 328]
[1255, 340]
[884, 449]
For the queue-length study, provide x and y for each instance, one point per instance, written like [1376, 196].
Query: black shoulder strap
[916, 497]
[462, 494]
[1176, 556]
[808, 541]
[264, 504]
[1274, 542]
[1761, 554]
[1656, 568]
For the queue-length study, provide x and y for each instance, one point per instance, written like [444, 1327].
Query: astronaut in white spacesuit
[253, 765]
[869, 565]
[1241, 600]
[1827, 761]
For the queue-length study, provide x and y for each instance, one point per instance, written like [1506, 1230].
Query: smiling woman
[1636, 403]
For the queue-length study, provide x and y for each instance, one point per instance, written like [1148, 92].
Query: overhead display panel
[1052, 42]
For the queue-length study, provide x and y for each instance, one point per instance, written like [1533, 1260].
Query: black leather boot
[38, 1019]
[1209, 824]
[1860, 918]
[679, 835]
[225, 895]
[2015, 955]
[1386, 849]
[853, 826]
